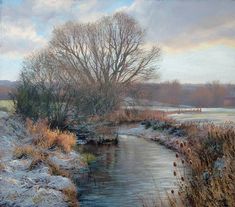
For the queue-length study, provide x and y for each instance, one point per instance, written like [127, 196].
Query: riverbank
[168, 134]
[205, 150]
[27, 180]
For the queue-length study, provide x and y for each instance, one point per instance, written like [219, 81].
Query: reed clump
[209, 161]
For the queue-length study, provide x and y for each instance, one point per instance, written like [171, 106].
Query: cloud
[198, 66]
[180, 25]
[18, 39]
[27, 26]
[45, 6]
[176, 25]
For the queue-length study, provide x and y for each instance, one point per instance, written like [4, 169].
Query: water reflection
[125, 173]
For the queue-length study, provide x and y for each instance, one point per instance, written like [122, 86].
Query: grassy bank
[35, 157]
[6, 105]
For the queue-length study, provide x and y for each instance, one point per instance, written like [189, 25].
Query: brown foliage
[47, 138]
[134, 115]
[71, 194]
[210, 169]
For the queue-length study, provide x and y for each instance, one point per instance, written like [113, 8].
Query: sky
[197, 37]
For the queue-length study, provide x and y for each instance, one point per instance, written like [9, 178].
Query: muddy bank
[40, 185]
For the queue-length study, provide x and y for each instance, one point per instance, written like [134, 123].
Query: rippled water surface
[126, 173]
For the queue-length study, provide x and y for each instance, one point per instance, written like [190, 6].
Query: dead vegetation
[25, 152]
[39, 151]
[71, 194]
[210, 162]
[46, 138]
[134, 115]
[2, 166]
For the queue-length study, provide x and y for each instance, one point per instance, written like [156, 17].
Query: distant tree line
[4, 92]
[199, 95]
[85, 69]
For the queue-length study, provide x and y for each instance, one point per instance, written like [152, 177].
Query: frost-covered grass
[215, 115]
[40, 176]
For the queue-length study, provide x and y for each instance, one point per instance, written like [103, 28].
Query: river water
[125, 174]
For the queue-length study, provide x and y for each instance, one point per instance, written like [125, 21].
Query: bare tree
[87, 66]
[110, 50]
[102, 58]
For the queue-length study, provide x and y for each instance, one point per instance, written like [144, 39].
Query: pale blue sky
[197, 37]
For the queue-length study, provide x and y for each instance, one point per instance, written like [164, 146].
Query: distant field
[215, 115]
[6, 105]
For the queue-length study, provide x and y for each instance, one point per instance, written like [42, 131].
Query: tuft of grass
[88, 158]
[26, 151]
[2, 167]
[66, 141]
[71, 195]
[56, 170]
[36, 162]
[38, 157]
[44, 137]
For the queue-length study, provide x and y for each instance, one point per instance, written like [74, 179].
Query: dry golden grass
[134, 115]
[210, 160]
[38, 157]
[71, 195]
[105, 130]
[204, 168]
[66, 141]
[24, 151]
[56, 170]
[2, 166]
[44, 137]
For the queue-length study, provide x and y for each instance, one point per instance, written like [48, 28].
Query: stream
[127, 173]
